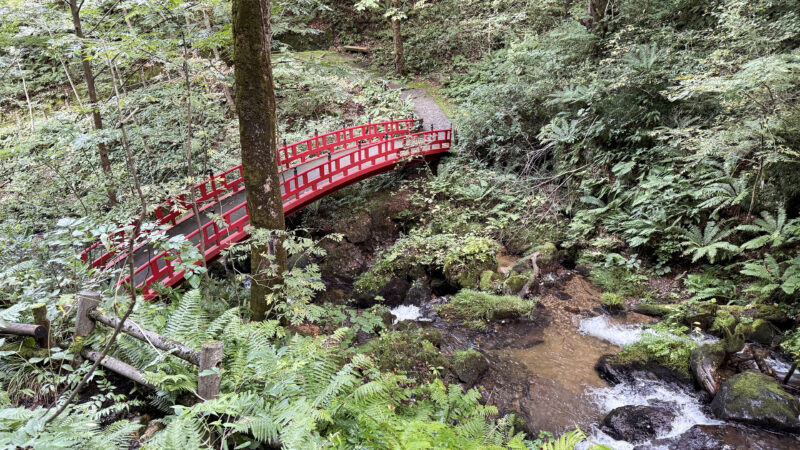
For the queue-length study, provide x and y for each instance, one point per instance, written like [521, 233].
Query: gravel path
[425, 107]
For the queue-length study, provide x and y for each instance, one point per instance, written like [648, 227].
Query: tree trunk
[105, 162]
[399, 60]
[597, 12]
[255, 105]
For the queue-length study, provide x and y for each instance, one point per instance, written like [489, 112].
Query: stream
[543, 369]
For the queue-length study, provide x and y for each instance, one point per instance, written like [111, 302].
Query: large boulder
[616, 370]
[638, 423]
[757, 399]
[725, 436]
[469, 365]
[418, 293]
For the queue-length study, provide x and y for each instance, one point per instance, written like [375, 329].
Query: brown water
[542, 370]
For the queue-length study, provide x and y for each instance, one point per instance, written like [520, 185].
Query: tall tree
[396, 11]
[97, 120]
[255, 105]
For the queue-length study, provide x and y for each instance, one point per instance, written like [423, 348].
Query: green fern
[771, 275]
[774, 231]
[707, 243]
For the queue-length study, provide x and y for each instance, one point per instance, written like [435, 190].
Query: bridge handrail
[216, 238]
[177, 208]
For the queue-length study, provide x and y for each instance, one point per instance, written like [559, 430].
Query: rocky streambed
[551, 372]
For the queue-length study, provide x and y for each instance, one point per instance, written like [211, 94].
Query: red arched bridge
[310, 170]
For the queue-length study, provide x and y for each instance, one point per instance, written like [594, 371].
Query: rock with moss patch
[654, 309]
[477, 309]
[464, 264]
[488, 281]
[515, 284]
[418, 293]
[700, 313]
[762, 332]
[469, 365]
[410, 349]
[756, 399]
[613, 302]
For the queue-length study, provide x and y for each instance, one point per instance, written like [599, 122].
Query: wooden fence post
[40, 318]
[87, 301]
[210, 359]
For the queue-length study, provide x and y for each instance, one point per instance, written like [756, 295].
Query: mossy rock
[762, 332]
[757, 399]
[700, 313]
[488, 281]
[514, 284]
[477, 309]
[548, 258]
[468, 365]
[464, 264]
[654, 309]
[724, 320]
[671, 355]
[408, 349]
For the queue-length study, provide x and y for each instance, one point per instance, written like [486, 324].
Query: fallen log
[704, 362]
[356, 49]
[117, 366]
[156, 340]
[38, 332]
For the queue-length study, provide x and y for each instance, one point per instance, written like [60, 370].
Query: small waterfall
[405, 312]
[601, 328]
[688, 408]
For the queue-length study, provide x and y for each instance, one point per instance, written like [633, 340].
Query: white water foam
[601, 328]
[687, 407]
[405, 312]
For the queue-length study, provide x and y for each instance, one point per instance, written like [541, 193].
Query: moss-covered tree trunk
[97, 120]
[399, 59]
[255, 104]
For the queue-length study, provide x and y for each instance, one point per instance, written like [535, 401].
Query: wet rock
[616, 372]
[394, 292]
[343, 261]
[638, 423]
[418, 293]
[702, 314]
[726, 436]
[704, 363]
[469, 366]
[756, 399]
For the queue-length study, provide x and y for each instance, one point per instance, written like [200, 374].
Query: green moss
[488, 281]
[477, 309]
[515, 283]
[761, 332]
[464, 263]
[748, 387]
[662, 349]
[548, 254]
[654, 309]
[409, 349]
[468, 365]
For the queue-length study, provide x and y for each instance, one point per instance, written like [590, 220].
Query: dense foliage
[662, 142]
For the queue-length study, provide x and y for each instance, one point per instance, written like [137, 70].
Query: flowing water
[543, 370]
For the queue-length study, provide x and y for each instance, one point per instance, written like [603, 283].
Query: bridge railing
[301, 184]
[216, 188]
